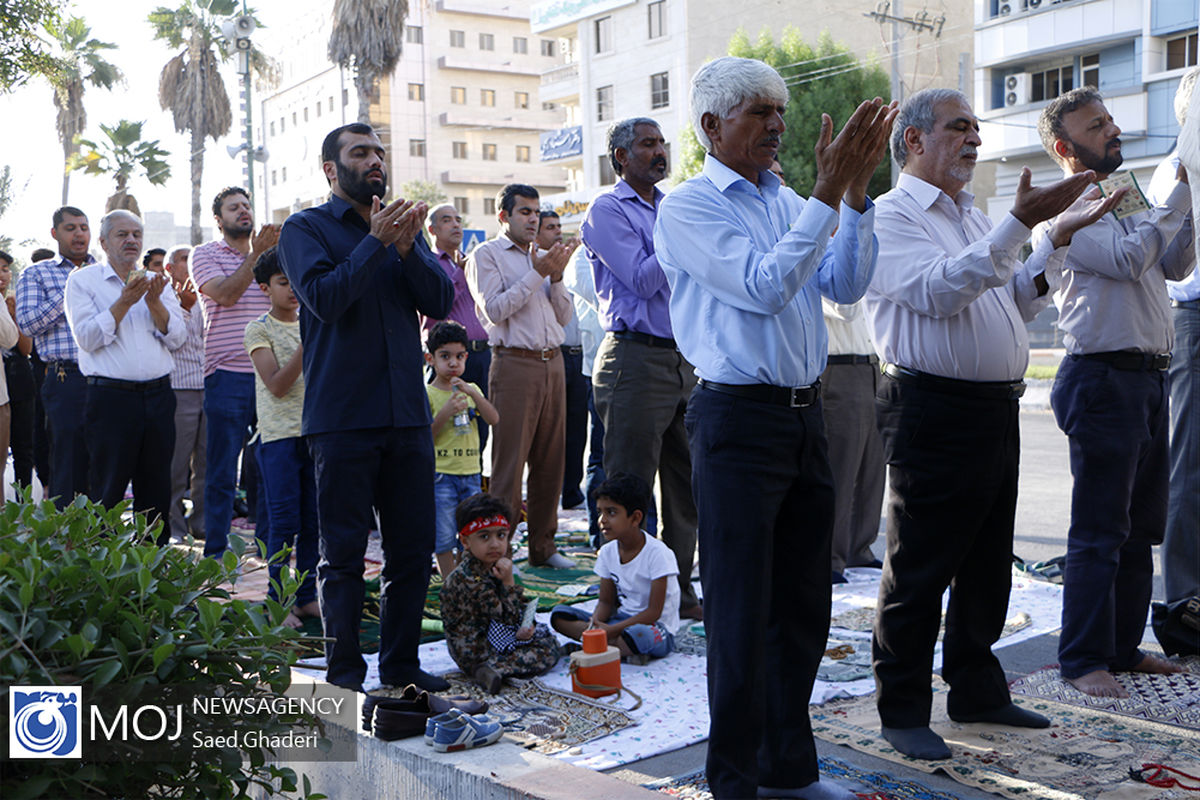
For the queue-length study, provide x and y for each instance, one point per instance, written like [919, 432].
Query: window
[461, 205]
[603, 33]
[548, 47]
[489, 152]
[282, 124]
[520, 45]
[1049, 84]
[604, 104]
[416, 148]
[414, 34]
[458, 38]
[487, 41]
[489, 205]
[487, 97]
[272, 127]
[458, 95]
[521, 99]
[318, 107]
[293, 119]
[660, 90]
[523, 153]
[331, 103]
[657, 13]
[607, 175]
[274, 175]
[345, 97]
[460, 149]
[548, 106]
[1089, 66]
[1181, 52]
[416, 91]
[306, 113]
[283, 174]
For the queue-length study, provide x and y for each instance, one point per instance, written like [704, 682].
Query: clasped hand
[845, 164]
[398, 223]
[554, 261]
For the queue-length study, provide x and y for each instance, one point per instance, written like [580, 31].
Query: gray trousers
[188, 460]
[641, 393]
[855, 458]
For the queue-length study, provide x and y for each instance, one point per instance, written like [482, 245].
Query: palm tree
[367, 34]
[191, 87]
[82, 63]
[123, 154]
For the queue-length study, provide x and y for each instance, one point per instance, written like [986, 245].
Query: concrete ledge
[410, 769]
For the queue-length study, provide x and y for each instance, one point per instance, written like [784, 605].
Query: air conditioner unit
[1009, 8]
[1016, 89]
[1005, 9]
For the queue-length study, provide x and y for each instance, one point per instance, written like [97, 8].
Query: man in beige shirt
[523, 305]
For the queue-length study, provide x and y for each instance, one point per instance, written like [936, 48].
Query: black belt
[573, 349]
[991, 390]
[644, 338]
[130, 386]
[792, 397]
[477, 345]
[62, 363]
[1186, 303]
[1130, 360]
[853, 359]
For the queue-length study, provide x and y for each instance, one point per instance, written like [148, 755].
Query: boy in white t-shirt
[639, 595]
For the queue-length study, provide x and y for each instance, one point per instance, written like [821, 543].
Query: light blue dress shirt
[747, 266]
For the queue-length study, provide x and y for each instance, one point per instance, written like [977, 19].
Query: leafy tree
[24, 51]
[82, 63]
[426, 192]
[121, 155]
[368, 35]
[822, 78]
[191, 87]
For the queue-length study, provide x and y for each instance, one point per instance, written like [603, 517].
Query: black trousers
[41, 429]
[21, 391]
[950, 518]
[764, 493]
[579, 390]
[64, 396]
[131, 437]
[391, 470]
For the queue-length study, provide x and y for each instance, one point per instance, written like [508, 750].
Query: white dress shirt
[849, 333]
[1112, 294]
[950, 297]
[1161, 185]
[134, 350]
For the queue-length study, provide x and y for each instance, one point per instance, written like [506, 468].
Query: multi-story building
[1029, 51]
[460, 111]
[623, 58]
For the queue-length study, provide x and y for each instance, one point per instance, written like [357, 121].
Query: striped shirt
[41, 312]
[189, 356]
[224, 326]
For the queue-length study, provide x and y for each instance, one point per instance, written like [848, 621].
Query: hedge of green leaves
[87, 598]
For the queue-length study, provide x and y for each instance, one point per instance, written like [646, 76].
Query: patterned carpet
[867, 785]
[1169, 699]
[1085, 754]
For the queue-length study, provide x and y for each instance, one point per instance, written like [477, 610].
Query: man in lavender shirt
[641, 382]
[445, 225]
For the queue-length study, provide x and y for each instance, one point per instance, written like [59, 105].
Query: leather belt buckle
[1161, 361]
[547, 353]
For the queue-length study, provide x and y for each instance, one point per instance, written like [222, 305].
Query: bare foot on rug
[1099, 683]
[311, 609]
[1156, 666]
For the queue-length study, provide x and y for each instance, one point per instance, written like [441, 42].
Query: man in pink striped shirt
[224, 271]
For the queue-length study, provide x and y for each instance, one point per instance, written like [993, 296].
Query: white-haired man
[747, 262]
[1116, 321]
[126, 326]
[948, 305]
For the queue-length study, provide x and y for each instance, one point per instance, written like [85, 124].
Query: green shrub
[88, 599]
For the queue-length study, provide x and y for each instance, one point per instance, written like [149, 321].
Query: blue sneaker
[431, 725]
[464, 732]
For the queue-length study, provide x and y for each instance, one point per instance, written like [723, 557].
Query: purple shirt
[463, 310]
[630, 285]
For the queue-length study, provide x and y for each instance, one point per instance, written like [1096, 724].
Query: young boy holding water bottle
[455, 404]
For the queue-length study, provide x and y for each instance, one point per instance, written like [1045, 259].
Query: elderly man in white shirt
[1110, 398]
[126, 323]
[948, 305]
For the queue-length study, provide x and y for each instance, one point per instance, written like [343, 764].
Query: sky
[29, 142]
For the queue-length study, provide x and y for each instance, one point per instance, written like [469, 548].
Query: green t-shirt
[278, 417]
[456, 449]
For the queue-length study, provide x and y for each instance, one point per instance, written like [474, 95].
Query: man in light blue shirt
[747, 262]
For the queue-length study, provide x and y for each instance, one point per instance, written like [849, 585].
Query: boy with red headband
[483, 610]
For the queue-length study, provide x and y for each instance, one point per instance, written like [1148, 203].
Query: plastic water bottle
[462, 420]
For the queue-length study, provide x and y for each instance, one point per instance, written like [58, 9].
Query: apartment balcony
[1052, 29]
[477, 62]
[499, 173]
[486, 8]
[520, 120]
[560, 83]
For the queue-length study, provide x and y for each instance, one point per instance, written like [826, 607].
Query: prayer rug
[862, 620]
[543, 719]
[866, 785]
[1169, 699]
[1084, 755]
